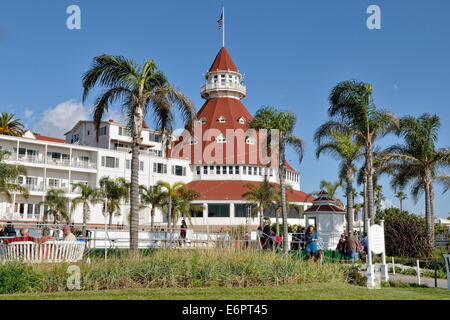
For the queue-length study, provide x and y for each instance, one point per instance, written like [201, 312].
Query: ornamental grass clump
[186, 269]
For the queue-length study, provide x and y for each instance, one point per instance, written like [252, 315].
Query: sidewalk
[441, 283]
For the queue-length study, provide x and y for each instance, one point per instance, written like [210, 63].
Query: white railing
[34, 252]
[232, 86]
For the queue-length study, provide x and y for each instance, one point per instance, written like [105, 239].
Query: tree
[141, 89]
[283, 122]
[170, 194]
[10, 126]
[114, 192]
[331, 188]
[379, 196]
[9, 175]
[260, 194]
[341, 145]
[182, 206]
[89, 197]
[401, 196]
[56, 205]
[417, 161]
[352, 110]
[153, 196]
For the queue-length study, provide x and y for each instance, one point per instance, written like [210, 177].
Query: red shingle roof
[233, 190]
[45, 138]
[223, 62]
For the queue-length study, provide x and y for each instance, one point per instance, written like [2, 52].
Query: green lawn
[291, 292]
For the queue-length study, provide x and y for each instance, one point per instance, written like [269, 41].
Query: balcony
[235, 87]
[149, 152]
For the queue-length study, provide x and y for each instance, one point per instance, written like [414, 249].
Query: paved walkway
[441, 283]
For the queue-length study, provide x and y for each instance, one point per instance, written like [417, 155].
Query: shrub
[405, 234]
[18, 277]
[355, 277]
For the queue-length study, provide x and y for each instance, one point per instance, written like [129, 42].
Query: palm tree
[9, 174]
[153, 196]
[270, 118]
[170, 194]
[352, 110]
[89, 197]
[141, 89]
[114, 192]
[417, 161]
[182, 206]
[379, 196]
[341, 145]
[56, 205]
[401, 196]
[260, 194]
[331, 188]
[10, 126]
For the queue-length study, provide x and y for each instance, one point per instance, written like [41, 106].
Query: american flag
[220, 21]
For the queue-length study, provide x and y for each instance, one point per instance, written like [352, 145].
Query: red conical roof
[223, 62]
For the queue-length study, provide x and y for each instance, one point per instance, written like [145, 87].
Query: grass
[307, 291]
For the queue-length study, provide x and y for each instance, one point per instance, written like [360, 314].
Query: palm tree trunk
[370, 189]
[349, 203]
[169, 217]
[83, 230]
[261, 217]
[428, 206]
[134, 197]
[152, 217]
[366, 205]
[283, 197]
[401, 204]
[110, 218]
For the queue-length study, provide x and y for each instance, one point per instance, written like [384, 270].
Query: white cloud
[60, 119]
[395, 86]
[385, 204]
[28, 113]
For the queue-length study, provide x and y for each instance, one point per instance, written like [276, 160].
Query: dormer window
[222, 119]
[221, 139]
[193, 141]
[241, 120]
[202, 121]
[250, 140]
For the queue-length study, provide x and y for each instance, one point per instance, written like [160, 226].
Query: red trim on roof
[233, 190]
[223, 62]
[44, 138]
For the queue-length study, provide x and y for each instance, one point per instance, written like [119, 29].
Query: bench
[35, 252]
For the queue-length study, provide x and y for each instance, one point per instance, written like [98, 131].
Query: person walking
[183, 231]
[311, 240]
[341, 247]
[266, 236]
[351, 246]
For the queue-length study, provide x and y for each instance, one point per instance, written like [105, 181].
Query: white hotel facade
[57, 163]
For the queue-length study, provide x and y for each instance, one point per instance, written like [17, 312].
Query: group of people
[348, 246]
[9, 234]
[269, 238]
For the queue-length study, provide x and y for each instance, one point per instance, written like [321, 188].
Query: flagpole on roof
[223, 27]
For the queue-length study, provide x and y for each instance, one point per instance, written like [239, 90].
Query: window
[124, 131]
[222, 119]
[31, 180]
[198, 169]
[159, 167]
[244, 170]
[205, 170]
[196, 210]
[155, 137]
[242, 210]
[221, 139]
[211, 169]
[20, 179]
[236, 170]
[241, 120]
[127, 164]
[260, 171]
[178, 170]
[249, 171]
[83, 159]
[110, 162]
[53, 183]
[217, 169]
[218, 210]
[230, 170]
[141, 165]
[102, 131]
[224, 170]
[75, 138]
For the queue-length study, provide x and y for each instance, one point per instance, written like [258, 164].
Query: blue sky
[291, 52]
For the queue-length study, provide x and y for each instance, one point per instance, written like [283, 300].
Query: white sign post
[376, 245]
[447, 266]
[370, 269]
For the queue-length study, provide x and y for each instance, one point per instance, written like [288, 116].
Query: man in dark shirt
[25, 237]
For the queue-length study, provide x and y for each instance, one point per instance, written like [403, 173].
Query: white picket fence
[34, 252]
